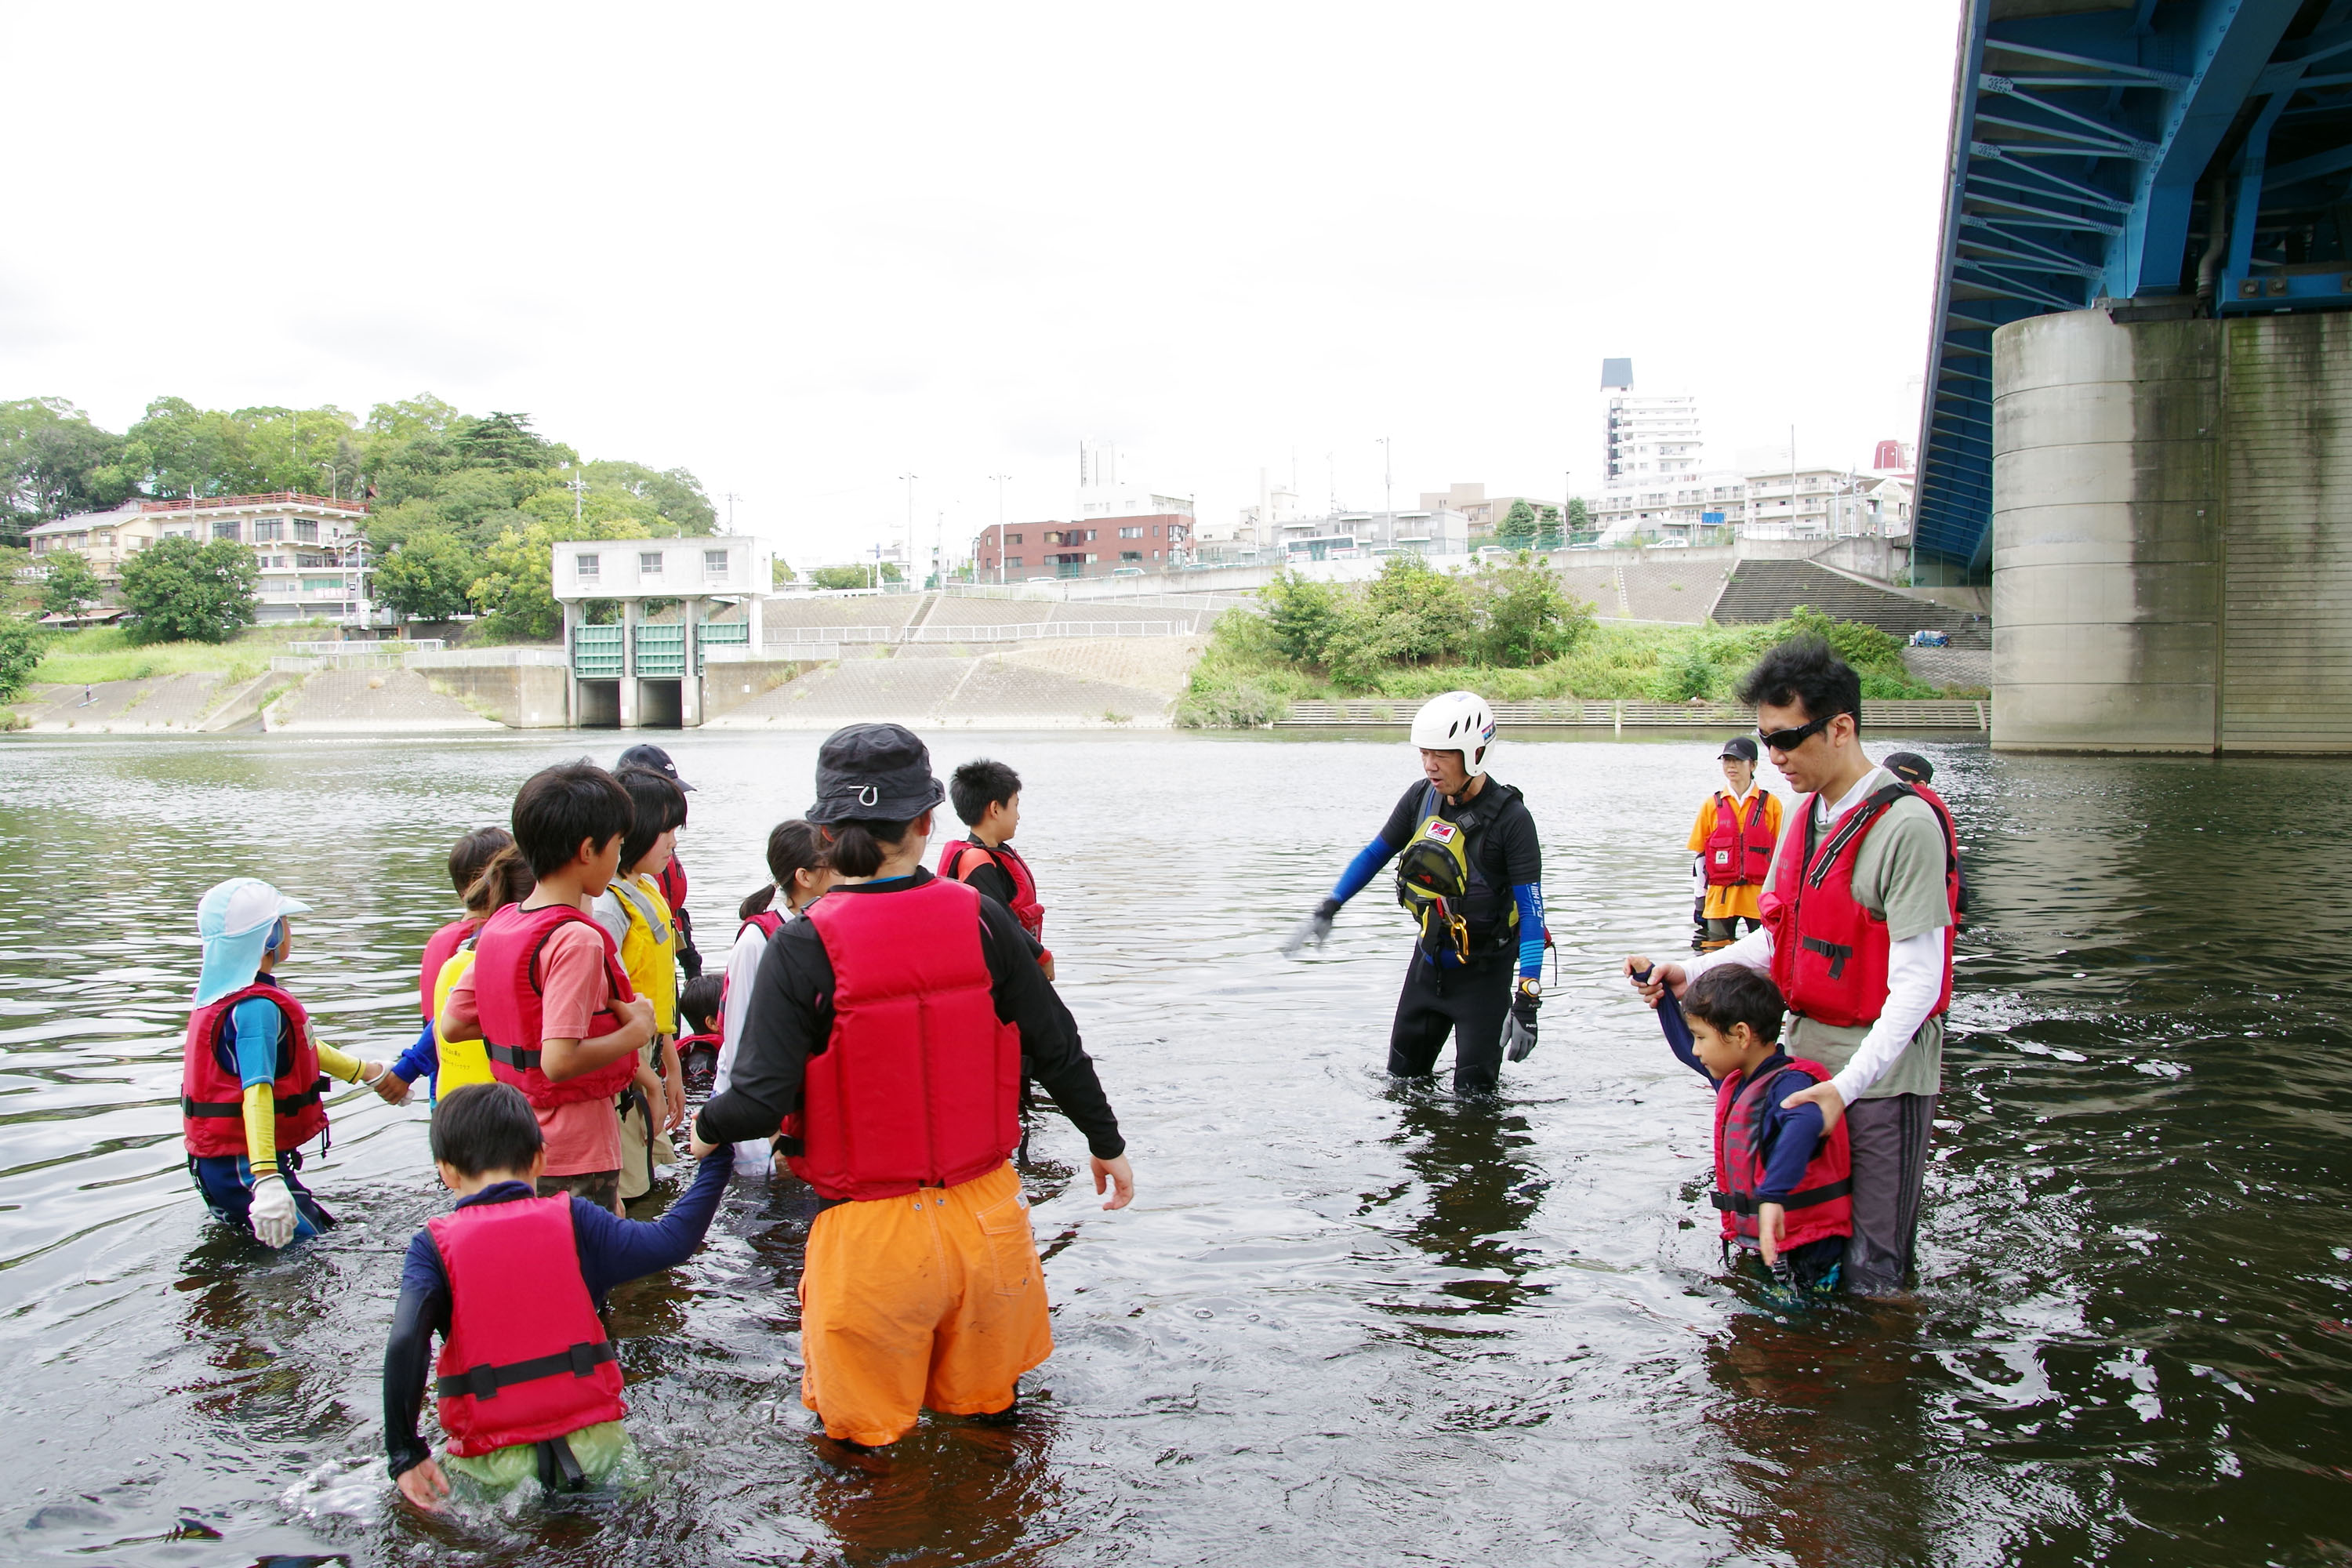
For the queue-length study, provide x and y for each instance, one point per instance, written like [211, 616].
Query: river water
[1345, 1321]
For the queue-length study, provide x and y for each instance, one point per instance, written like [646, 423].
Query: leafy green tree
[1578, 522]
[501, 440]
[1518, 525]
[180, 590]
[674, 494]
[55, 462]
[182, 450]
[1427, 614]
[428, 577]
[853, 576]
[1304, 614]
[515, 590]
[71, 587]
[21, 648]
[1527, 617]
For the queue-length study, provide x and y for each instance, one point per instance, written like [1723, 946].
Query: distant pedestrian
[1859, 909]
[1733, 839]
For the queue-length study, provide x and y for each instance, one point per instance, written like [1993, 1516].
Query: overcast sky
[803, 250]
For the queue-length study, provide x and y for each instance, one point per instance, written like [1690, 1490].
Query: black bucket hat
[879, 773]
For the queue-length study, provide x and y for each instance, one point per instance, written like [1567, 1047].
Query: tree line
[464, 508]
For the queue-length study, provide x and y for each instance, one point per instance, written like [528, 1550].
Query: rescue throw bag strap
[1747, 1203]
[484, 1381]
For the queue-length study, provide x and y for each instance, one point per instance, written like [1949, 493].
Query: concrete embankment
[192, 704]
[1124, 682]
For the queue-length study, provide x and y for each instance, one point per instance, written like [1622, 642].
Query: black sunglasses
[1790, 740]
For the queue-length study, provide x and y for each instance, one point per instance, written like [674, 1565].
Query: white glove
[1312, 931]
[273, 1210]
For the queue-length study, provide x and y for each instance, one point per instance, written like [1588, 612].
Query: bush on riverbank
[99, 654]
[1247, 677]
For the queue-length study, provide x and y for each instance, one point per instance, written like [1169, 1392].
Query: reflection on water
[1348, 1320]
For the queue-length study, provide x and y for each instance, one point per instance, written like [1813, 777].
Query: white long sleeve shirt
[1915, 977]
[743, 966]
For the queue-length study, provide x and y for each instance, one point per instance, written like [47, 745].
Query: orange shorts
[933, 1299]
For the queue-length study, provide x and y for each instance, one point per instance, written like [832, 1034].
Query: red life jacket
[1951, 838]
[1822, 1205]
[1828, 953]
[508, 1000]
[438, 948]
[525, 1358]
[1737, 852]
[689, 1043]
[920, 1084]
[212, 1094]
[957, 859]
[672, 882]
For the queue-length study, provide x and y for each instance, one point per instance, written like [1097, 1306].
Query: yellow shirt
[462, 1061]
[1743, 898]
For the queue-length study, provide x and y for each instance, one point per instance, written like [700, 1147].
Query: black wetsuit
[1469, 1001]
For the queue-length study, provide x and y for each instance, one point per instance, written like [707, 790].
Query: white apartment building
[1649, 440]
[310, 549]
[1355, 535]
[1105, 491]
[1775, 503]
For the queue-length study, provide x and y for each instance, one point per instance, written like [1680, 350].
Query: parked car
[1126, 571]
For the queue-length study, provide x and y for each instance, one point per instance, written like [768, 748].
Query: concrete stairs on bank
[1762, 591]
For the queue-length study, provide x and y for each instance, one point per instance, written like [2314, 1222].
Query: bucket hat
[236, 918]
[879, 773]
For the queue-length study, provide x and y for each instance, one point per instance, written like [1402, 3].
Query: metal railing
[386, 645]
[1619, 716]
[989, 632]
[271, 497]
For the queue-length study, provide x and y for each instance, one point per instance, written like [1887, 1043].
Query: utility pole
[1388, 484]
[1000, 479]
[332, 478]
[730, 497]
[578, 487]
[911, 478]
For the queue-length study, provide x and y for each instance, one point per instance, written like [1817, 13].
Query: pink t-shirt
[584, 1135]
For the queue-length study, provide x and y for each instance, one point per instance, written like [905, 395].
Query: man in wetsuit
[1461, 977]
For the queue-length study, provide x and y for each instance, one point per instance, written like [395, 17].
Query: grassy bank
[107, 653]
[1245, 679]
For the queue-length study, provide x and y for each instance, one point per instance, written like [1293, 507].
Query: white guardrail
[1027, 631]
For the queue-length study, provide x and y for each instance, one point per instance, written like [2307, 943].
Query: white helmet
[1457, 722]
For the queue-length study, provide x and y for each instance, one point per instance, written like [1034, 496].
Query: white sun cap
[1456, 722]
[235, 918]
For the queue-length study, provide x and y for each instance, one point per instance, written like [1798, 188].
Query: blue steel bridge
[2160, 157]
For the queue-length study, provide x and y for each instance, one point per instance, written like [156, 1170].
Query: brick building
[1017, 551]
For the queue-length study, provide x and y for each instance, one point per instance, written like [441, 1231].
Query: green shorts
[603, 1451]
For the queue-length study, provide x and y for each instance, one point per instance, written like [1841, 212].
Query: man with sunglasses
[1858, 920]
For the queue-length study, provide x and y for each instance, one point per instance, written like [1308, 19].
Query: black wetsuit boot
[1470, 1002]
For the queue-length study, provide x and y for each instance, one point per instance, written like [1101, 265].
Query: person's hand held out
[424, 1484]
[392, 1088]
[1825, 1095]
[1663, 978]
[1771, 1225]
[1118, 1176]
[272, 1214]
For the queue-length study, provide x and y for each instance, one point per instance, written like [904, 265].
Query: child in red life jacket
[468, 857]
[527, 1383]
[1783, 1189]
[798, 878]
[252, 1075]
[547, 995]
[697, 1049]
[987, 796]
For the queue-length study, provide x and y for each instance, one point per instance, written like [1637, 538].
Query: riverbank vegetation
[99, 654]
[464, 507]
[1511, 635]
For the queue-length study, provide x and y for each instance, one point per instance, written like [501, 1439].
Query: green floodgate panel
[661, 652]
[714, 634]
[596, 652]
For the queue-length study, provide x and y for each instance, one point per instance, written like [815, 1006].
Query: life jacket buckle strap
[1837, 952]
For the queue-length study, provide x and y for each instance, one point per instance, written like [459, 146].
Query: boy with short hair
[513, 1283]
[547, 995]
[987, 796]
[252, 1075]
[699, 1002]
[1782, 1187]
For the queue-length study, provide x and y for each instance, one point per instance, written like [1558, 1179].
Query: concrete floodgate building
[648, 670]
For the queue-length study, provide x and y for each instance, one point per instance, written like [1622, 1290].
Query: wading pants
[1889, 1140]
[1468, 1001]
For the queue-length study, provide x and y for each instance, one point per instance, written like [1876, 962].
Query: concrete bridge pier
[2172, 533]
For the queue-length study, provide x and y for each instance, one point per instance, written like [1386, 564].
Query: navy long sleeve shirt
[613, 1251]
[1790, 1136]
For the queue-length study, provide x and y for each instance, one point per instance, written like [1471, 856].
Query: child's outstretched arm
[423, 1311]
[613, 1251]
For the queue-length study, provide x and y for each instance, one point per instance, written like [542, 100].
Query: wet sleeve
[1398, 830]
[423, 1311]
[1798, 1134]
[1363, 870]
[1050, 1049]
[420, 1059]
[787, 1022]
[1522, 846]
[260, 1113]
[613, 1250]
[1529, 895]
[340, 1064]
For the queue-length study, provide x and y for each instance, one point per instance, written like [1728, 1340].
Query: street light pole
[332, 478]
[910, 479]
[1000, 479]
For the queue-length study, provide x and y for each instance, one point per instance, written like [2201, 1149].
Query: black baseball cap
[1741, 746]
[653, 759]
[880, 773]
[1910, 767]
